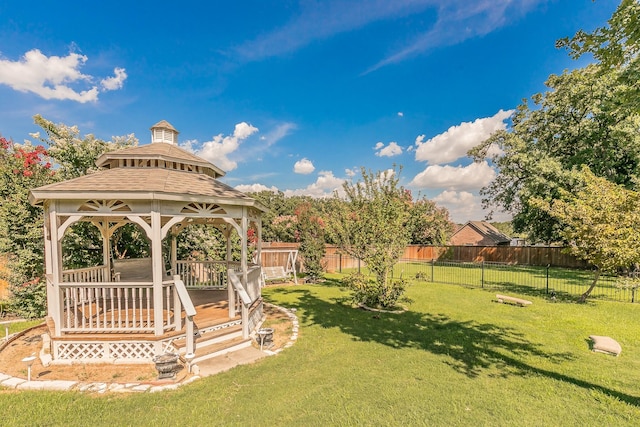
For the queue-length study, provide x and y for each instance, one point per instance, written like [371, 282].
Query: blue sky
[293, 95]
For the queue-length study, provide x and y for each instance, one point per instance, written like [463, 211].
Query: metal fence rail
[521, 279]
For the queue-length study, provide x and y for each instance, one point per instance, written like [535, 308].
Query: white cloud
[115, 82]
[471, 177]
[52, 77]
[325, 186]
[457, 140]
[279, 132]
[255, 188]
[303, 167]
[351, 172]
[464, 206]
[218, 150]
[400, 114]
[393, 149]
[189, 145]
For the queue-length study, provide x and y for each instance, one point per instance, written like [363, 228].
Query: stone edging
[102, 387]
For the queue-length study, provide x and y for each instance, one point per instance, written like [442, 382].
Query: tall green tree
[601, 222]
[568, 126]
[370, 224]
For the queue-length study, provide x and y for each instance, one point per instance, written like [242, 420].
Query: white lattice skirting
[66, 352]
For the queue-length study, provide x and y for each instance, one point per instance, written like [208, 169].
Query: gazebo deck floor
[212, 308]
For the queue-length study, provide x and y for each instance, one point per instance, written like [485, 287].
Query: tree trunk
[584, 296]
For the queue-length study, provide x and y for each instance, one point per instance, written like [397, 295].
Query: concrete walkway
[201, 369]
[230, 360]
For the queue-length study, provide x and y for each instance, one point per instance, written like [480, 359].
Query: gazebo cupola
[164, 132]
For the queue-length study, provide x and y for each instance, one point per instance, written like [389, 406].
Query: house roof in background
[487, 230]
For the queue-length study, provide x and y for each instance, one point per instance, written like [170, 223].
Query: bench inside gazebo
[129, 310]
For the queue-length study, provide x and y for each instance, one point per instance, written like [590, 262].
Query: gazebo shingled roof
[143, 183]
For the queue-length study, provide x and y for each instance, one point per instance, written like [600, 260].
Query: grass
[455, 358]
[13, 327]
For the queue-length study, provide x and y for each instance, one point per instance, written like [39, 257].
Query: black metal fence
[552, 282]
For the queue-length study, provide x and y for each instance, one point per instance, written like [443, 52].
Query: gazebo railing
[248, 295]
[202, 274]
[254, 281]
[194, 274]
[98, 273]
[114, 307]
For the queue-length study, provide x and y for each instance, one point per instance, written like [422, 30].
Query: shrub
[421, 275]
[29, 300]
[373, 294]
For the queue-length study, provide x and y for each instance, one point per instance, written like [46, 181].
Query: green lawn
[454, 358]
[17, 326]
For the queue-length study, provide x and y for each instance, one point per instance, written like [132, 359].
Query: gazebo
[130, 310]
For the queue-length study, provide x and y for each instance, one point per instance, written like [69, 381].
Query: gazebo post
[55, 309]
[230, 291]
[156, 262]
[244, 266]
[103, 226]
[49, 249]
[177, 304]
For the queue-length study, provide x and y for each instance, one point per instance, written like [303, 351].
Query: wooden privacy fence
[524, 255]
[527, 255]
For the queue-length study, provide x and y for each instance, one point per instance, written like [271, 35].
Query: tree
[75, 156]
[279, 223]
[570, 125]
[601, 222]
[23, 167]
[311, 236]
[615, 46]
[429, 224]
[370, 224]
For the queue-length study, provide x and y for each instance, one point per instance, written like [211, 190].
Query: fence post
[340, 263]
[433, 262]
[482, 279]
[548, 265]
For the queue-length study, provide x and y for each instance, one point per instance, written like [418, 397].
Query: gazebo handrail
[98, 273]
[111, 284]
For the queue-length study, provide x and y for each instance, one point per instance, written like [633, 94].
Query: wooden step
[206, 337]
[221, 348]
[215, 342]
